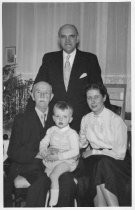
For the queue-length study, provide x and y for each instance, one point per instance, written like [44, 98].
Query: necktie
[67, 70]
[43, 118]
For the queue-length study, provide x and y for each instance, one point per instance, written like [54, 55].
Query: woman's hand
[86, 153]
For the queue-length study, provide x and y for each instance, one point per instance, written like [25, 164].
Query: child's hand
[53, 151]
[52, 157]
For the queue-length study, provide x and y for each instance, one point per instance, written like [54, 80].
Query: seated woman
[104, 135]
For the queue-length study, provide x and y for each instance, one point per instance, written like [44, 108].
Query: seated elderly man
[28, 130]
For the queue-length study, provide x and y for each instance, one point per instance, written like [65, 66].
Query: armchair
[117, 95]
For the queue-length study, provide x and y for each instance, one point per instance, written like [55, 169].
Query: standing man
[69, 71]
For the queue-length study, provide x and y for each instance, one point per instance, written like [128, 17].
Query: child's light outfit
[66, 140]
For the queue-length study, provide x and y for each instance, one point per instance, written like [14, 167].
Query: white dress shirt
[42, 116]
[71, 59]
[68, 60]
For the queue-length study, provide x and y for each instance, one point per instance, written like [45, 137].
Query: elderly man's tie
[43, 119]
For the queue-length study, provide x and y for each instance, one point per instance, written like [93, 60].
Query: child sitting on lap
[59, 148]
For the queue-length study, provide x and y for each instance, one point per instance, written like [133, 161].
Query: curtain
[104, 29]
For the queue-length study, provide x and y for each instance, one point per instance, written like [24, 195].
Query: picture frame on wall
[10, 55]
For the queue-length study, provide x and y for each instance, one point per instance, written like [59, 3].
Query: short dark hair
[97, 86]
[63, 105]
[73, 26]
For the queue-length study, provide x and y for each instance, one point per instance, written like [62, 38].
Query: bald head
[42, 85]
[68, 38]
[73, 27]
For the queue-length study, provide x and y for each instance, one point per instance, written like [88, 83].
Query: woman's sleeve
[119, 143]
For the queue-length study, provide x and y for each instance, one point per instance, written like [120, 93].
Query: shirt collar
[101, 113]
[64, 129]
[39, 113]
[71, 54]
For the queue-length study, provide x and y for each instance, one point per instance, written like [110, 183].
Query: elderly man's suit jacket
[27, 132]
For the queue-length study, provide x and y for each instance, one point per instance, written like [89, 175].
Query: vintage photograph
[67, 111]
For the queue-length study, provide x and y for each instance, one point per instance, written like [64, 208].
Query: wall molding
[116, 79]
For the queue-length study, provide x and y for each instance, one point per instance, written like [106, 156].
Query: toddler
[59, 148]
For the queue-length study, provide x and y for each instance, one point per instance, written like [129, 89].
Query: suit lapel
[37, 120]
[49, 121]
[59, 68]
[75, 72]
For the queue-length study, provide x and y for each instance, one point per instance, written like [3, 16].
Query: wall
[104, 29]
[8, 26]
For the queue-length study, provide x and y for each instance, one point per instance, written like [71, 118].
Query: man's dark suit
[27, 133]
[85, 70]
